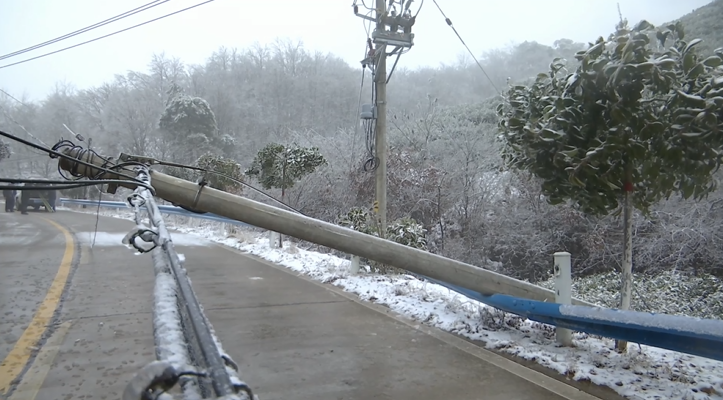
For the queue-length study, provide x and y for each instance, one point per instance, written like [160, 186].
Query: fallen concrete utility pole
[203, 198]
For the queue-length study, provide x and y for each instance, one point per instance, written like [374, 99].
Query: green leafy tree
[404, 231]
[636, 121]
[359, 220]
[278, 166]
[231, 178]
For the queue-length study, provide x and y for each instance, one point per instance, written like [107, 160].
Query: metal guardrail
[696, 336]
[701, 337]
[187, 351]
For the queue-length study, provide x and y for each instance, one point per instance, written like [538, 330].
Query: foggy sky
[323, 25]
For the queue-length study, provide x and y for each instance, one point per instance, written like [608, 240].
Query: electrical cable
[27, 158]
[8, 116]
[449, 22]
[369, 164]
[210, 171]
[87, 28]
[372, 162]
[358, 107]
[9, 95]
[61, 184]
[54, 187]
[365, 5]
[97, 219]
[418, 10]
[81, 153]
[104, 170]
[359, 103]
[367, 24]
[105, 36]
[66, 143]
[65, 182]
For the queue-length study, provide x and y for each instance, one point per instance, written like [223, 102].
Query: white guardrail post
[354, 267]
[273, 239]
[563, 292]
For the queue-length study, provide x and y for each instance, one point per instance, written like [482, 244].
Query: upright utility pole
[393, 28]
[380, 142]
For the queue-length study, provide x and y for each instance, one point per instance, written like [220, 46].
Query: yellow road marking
[18, 357]
[33, 380]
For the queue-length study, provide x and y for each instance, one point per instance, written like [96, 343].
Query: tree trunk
[439, 214]
[627, 273]
[283, 200]
[283, 190]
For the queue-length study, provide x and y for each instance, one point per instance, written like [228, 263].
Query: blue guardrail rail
[696, 336]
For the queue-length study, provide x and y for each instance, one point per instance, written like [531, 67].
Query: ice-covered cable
[219, 365]
[169, 337]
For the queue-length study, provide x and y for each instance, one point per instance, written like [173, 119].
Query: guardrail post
[563, 292]
[354, 268]
[273, 240]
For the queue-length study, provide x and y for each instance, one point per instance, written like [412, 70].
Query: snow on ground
[643, 373]
[112, 239]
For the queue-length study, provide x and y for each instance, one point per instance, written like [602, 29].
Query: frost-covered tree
[228, 176]
[278, 166]
[443, 169]
[133, 122]
[472, 169]
[5, 151]
[190, 125]
[634, 121]
[404, 231]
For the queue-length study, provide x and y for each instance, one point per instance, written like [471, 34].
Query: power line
[63, 184]
[11, 96]
[371, 163]
[226, 176]
[28, 158]
[105, 36]
[87, 28]
[449, 22]
[9, 117]
[107, 168]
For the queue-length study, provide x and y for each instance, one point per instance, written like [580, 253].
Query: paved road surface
[292, 338]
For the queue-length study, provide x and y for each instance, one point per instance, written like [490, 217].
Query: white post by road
[354, 268]
[273, 239]
[563, 292]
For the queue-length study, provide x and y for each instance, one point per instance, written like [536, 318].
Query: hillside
[706, 23]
